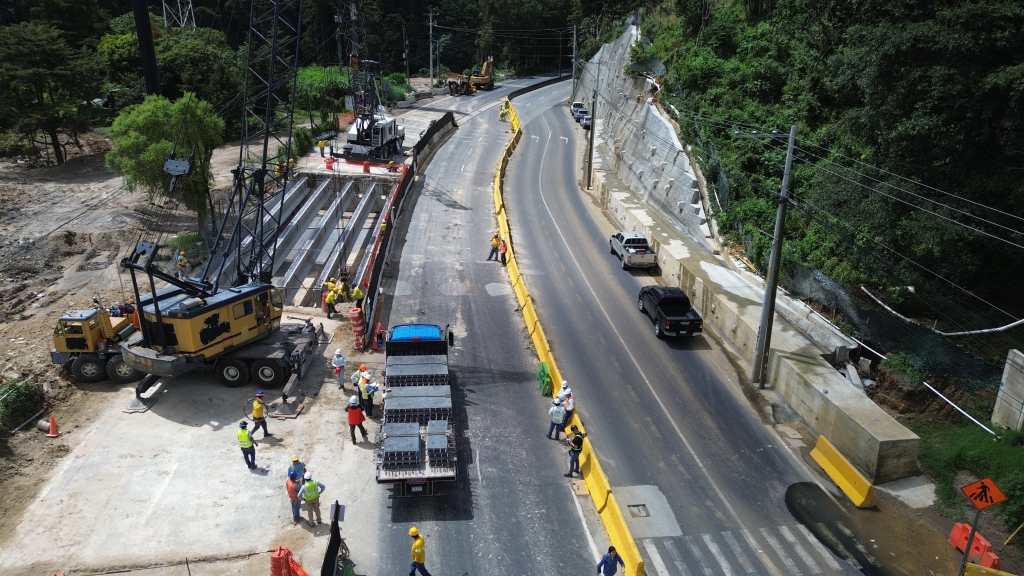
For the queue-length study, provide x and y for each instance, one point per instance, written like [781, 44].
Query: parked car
[580, 113]
[575, 108]
[670, 310]
[585, 120]
[633, 250]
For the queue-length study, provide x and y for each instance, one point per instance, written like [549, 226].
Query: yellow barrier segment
[594, 478]
[976, 570]
[855, 485]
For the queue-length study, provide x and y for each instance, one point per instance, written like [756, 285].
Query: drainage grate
[638, 510]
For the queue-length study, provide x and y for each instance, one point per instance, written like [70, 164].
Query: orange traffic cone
[53, 427]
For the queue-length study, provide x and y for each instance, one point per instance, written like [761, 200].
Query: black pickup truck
[670, 310]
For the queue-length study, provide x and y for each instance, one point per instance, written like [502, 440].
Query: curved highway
[512, 512]
[679, 441]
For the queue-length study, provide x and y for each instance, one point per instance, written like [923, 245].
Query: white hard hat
[565, 383]
[308, 476]
[353, 400]
[556, 402]
[337, 352]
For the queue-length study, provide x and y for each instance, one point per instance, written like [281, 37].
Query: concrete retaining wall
[873, 441]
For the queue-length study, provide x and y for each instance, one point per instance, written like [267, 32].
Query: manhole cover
[638, 510]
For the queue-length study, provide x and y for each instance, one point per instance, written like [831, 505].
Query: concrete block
[1009, 408]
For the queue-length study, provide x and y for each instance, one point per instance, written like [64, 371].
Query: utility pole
[559, 53]
[430, 24]
[593, 128]
[405, 50]
[146, 46]
[573, 59]
[764, 331]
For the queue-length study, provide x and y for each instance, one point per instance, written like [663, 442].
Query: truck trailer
[416, 445]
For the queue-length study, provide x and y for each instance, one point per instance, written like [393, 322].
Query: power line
[804, 207]
[915, 206]
[925, 198]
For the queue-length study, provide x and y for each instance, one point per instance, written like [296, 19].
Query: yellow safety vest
[363, 383]
[332, 296]
[419, 554]
[310, 491]
[328, 286]
[257, 409]
[244, 439]
[357, 293]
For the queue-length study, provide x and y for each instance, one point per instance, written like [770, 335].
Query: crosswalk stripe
[766, 561]
[699, 556]
[655, 556]
[791, 567]
[677, 557]
[717, 553]
[817, 545]
[734, 545]
[800, 550]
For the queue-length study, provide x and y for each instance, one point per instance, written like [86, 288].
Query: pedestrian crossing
[783, 550]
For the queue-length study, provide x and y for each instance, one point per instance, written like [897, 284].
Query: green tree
[145, 135]
[321, 89]
[43, 85]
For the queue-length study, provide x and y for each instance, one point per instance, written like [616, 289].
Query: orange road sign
[983, 493]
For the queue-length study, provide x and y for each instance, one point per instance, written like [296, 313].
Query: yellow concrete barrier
[855, 485]
[976, 570]
[594, 478]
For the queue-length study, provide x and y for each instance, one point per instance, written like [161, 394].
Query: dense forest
[910, 141]
[67, 66]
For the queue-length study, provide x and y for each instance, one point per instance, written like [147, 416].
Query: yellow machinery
[88, 343]
[459, 85]
[485, 79]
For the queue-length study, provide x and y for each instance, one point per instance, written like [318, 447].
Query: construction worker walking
[259, 415]
[330, 299]
[503, 251]
[610, 563]
[419, 553]
[557, 415]
[357, 296]
[356, 417]
[575, 442]
[338, 362]
[247, 444]
[311, 491]
[321, 145]
[495, 243]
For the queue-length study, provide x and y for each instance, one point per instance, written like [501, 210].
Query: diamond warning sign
[983, 493]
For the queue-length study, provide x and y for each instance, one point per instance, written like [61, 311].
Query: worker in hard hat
[297, 469]
[181, 263]
[330, 299]
[259, 414]
[495, 244]
[338, 362]
[419, 553]
[557, 415]
[291, 487]
[356, 417]
[357, 296]
[568, 402]
[311, 491]
[365, 393]
[247, 444]
[326, 289]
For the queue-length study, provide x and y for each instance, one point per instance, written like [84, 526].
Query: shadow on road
[829, 523]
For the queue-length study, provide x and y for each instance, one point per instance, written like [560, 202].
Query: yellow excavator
[87, 343]
[485, 79]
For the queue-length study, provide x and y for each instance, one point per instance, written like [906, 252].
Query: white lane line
[698, 555]
[476, 459]
[800, 550]
[586, 529]
[677, 558]
[564, 139]
[737, 551]
[629, 351]
[463, 169]
[819, 547]
[791, 566]
[717, 553]
[655, 556]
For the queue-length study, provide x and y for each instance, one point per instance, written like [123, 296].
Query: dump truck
[87, 343]
[416, 443]
[485, 79]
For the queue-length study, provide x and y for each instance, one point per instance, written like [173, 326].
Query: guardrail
[594, 478]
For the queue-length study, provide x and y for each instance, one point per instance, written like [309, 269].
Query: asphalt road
[673, 430]
[512, 512]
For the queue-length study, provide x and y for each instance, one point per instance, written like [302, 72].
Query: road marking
[586, 529]
[800, 550]
[819, 547]
[463, 169]
[677, 558]
[476, 459]
[737, 551]
[717, 553]
[655, 556]
[791, 567]
[629, 351]
[695, 550]
[564, 139]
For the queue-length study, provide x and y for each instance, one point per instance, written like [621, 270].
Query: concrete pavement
[706, 477]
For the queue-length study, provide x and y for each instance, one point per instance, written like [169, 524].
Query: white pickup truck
[634, 251]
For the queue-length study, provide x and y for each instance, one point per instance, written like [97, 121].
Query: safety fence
[594, 478]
